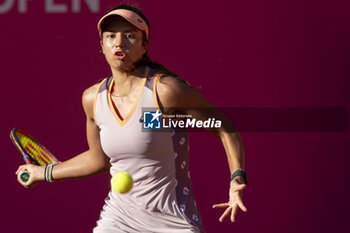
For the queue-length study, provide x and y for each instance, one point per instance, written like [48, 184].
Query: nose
[119, 40]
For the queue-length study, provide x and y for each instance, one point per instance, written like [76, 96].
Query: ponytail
[160, 69]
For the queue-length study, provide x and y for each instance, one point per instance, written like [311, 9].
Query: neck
[126, 81]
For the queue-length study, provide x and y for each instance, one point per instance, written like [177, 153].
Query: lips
[120, 55]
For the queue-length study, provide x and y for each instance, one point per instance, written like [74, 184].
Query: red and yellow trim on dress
[155, 92]
[114, 109]
[155, 96]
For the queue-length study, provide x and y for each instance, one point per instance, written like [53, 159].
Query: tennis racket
[32, 151]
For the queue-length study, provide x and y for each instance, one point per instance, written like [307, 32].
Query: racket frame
[28, 159]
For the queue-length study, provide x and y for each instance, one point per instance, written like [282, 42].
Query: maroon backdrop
[242, 53]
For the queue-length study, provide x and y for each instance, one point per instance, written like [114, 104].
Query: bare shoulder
[177, 94]
[88, 99]
[172, 91]
[171, 85]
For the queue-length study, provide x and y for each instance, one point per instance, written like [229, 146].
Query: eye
[129, 36]
[110, 35]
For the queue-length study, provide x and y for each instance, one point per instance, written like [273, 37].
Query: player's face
[122, 44]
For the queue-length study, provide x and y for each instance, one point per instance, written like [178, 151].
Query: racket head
[32, 151]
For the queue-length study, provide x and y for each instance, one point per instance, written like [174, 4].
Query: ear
[146, 45]
[101, 43]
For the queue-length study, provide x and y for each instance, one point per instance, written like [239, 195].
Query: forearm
[235, 156]
[234, 149]
[82, 165]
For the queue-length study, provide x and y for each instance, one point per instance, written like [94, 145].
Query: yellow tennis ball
[122, 182]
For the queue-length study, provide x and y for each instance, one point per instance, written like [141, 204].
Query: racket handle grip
[27, 159]
[24, 176]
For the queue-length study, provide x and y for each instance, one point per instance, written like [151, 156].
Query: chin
[124, 68]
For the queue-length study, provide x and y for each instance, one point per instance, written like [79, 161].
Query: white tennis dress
[161, 199]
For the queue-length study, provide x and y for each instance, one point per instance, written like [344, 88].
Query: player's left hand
[234, 203]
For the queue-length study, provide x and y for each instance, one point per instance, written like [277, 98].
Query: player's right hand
[36, 174]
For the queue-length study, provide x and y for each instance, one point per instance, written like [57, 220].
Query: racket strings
[36, 151]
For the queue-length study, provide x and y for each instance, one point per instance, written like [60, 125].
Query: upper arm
[88, 99]
[92, 129]
[181, 98]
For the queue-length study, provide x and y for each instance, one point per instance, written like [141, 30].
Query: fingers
[242, 206]
[21, 168]
[234, 203]
[239, 202]
[29, 168]
[222, 205]
[233, 213]
[231, 207]
[224, 215]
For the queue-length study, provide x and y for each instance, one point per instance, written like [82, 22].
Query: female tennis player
[161, 199]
